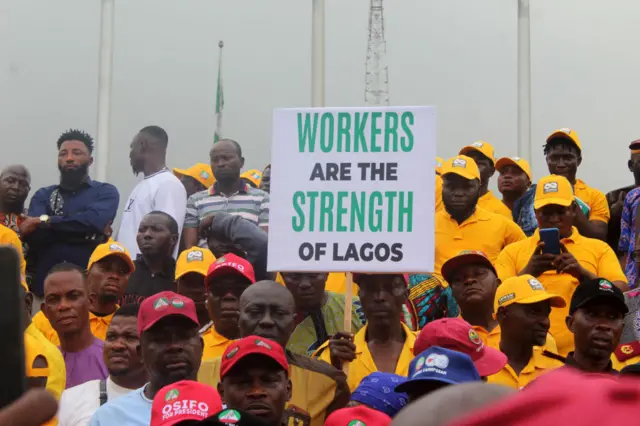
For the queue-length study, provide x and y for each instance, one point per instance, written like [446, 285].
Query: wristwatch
[44, 218]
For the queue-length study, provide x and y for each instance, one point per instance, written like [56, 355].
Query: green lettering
[375, 211]
[375, 131]
[340, 211]
[297, 223]
[313, 196]
[391, 132]
[405, 211]
[306, 133]
[406, 143]
[358, 132]
[326, 210]
[391, 195]
[344, 132]
[326, 132]
[357, 211]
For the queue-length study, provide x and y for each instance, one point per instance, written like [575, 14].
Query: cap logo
[221, 260]
[478, 144]
[229, 416]
[232, 352]
[535, 284]
[204, 175]
[506, 298]
[605, 286]
[177, 303]
[255, 175]
[171, 394]
[161, 303]
[438, 163]
[626, 349]
[566, 130]
[550, 187]
[437, 360]
[356, 423]
[516, 159]
[420, 363]
[195, 256]
[262, 343]
[459, 162]
[116, 247]
[473, 336]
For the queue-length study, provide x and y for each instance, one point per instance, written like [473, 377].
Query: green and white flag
[219, 98]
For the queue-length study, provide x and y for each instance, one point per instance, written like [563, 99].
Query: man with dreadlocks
[67, 221]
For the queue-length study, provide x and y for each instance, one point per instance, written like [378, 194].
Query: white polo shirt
[161, 191]
[77, 404]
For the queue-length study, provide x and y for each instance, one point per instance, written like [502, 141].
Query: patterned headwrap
[376, 391]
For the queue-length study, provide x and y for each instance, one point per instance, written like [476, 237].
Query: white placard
[352, 189]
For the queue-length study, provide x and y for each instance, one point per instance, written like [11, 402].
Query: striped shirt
[248, 202]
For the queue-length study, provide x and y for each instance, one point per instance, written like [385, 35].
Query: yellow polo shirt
[538, 365]
[9, 237]
[483, 230]
[336, 283]
[492, 338]
[364, 365]
[594, 255]
[491, 203]
[99, 326]
[595, 199]
[214, 343]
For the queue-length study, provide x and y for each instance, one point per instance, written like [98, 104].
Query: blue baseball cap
[442, 365]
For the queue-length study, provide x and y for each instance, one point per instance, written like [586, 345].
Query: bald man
[442, 407]
[267, 310]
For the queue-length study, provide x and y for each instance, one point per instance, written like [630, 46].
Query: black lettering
[366, 252]
[345, 171]
[317, 172]
[332, 171]
[377, 171]
[392, 171]
[363, 170]
[336, 253]
[321, 250]
[352, 253]
[382, 252]
[305, 251]
[396, 252]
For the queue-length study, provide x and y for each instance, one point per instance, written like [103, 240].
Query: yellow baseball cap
[33, 349]
[482, 147]
[200, 172]
[553, 189]
[525, 290]
[195, 259]
[520, 163]
[439, 163]
[111, 248]
[254, 175]
[568, 134]
[462, 166]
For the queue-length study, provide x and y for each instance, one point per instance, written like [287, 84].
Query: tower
[376, 90]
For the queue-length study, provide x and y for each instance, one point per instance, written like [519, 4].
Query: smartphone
[12, 368]
[551, 239]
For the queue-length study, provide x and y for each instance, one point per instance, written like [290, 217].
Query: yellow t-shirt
[594, 255]
[9, 237]
[538, 365]
[364, 365]
[491, 203]
[214, 344]
[439, 203]
[595, 199]
[99, 326]
[483, 230]
[336, 283]
[318, 389]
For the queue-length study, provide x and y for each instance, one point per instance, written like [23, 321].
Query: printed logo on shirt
[171, 394]
[459, 162]
[606, 286]
[177, 303]
[161, 303]
[229, 416]
[506, 298]
[473, 336]
[535, 284]
[437, 360]
[129, 204]
[356, 423]
[194, 256]
[262, 343]
[550, 187]
[116, 247]
[232, 352]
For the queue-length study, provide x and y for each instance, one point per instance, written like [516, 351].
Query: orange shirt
[594, 255]
[483, 230]
[595, 199]
[491, 203]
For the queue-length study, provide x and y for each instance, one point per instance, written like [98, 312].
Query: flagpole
[524, 80]
[219, 96]
[104, 88]
[317, 53]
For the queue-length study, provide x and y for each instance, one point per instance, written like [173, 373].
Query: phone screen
[551, 239]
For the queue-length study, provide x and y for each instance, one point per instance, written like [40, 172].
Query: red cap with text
[184, 400]
[230, 264]
[252, 345]
[164, 304]
[360, 415]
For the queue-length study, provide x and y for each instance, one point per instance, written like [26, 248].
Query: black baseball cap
[597, 289]
[230, 417]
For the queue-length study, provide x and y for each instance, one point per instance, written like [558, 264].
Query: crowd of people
[175, 319]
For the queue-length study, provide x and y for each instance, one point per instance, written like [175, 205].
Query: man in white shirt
[160, 190]
[126, 372]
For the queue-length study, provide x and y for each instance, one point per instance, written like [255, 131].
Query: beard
[107, 298]
[73, 177]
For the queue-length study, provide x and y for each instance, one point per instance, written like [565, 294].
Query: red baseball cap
[360, 415]
[252, 345]
[465, 257]
[164, 304]
[458, 335]
[230, 264]
[184, 400]
[564, 397]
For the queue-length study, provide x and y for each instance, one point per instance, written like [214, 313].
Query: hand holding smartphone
[551, 239]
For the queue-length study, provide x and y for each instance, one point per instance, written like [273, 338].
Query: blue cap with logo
[442, 365]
